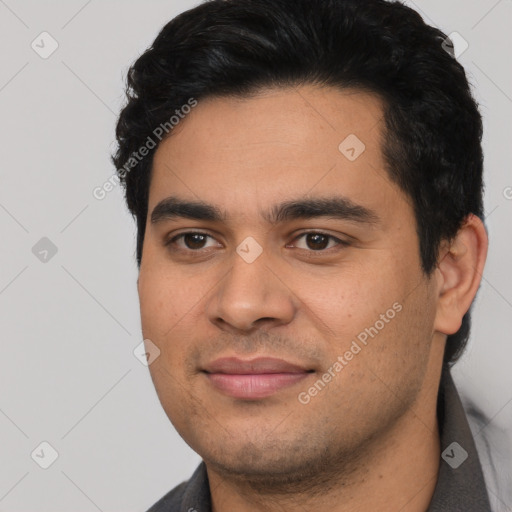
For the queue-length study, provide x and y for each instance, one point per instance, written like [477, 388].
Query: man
[306, 176]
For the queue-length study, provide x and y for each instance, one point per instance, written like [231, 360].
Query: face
[288, 303]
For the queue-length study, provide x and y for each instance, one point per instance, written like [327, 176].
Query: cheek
[167, 305]
[165, 299]
[379, 317]
[349, 301]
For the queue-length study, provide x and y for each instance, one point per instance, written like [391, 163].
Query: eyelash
[340, 243]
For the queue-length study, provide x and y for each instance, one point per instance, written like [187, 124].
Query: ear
[458, 274]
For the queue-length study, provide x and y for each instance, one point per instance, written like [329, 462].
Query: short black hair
[220, 48]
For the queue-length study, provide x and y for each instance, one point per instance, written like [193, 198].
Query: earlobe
[459, 273]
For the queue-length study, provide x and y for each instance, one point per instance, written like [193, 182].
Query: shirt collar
[460, 483]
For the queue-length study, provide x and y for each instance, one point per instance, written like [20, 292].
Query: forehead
[247, 153]
[311, 118]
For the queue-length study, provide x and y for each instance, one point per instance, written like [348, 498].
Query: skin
[368, 440]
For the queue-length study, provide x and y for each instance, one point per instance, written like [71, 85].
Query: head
[289, 104]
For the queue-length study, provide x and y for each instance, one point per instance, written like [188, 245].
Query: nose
[250, 296]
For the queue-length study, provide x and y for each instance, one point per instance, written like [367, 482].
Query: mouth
[255, 378]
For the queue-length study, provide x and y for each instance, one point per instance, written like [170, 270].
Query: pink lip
[256, 378]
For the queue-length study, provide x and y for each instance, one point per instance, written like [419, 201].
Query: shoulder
[188, 496]
[171, 502]
[493, 444]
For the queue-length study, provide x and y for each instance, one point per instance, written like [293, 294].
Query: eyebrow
[337, 207]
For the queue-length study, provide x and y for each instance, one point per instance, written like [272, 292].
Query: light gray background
[68, 375]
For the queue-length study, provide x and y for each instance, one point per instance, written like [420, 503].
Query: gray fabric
[190, 496]
[495, 451]
[459, 489]
[460, 486]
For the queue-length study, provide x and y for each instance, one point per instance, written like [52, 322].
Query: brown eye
[192, 241]
[320, 241]
[317, 241]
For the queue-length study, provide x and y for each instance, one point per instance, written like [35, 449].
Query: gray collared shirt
[460, 484]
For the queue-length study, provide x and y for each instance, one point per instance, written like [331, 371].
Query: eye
[317, 241]
[193, 241]
[314, 241]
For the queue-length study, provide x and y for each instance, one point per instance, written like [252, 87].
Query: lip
[253, 379]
